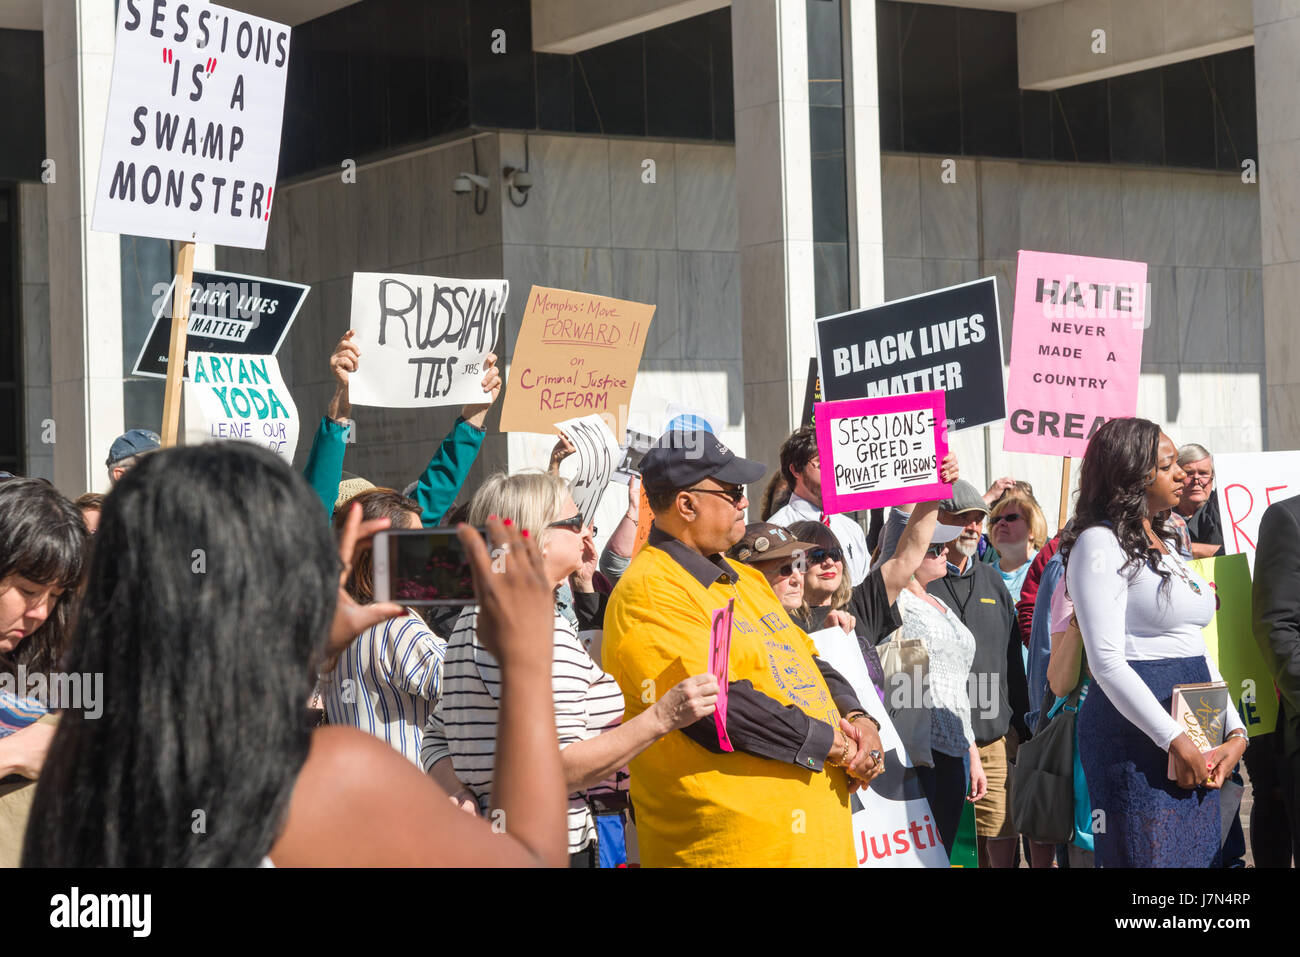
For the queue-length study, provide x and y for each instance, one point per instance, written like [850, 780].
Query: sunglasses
[573, 523]
[819, 555]
[936, 550]
[736, 495]
[993, 523]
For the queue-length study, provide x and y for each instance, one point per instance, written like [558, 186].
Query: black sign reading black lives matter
[949, 339]
[229, 313]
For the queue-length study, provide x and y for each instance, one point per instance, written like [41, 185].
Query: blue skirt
[1140, 817]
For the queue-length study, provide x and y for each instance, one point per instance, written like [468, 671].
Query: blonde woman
[1017, 530]
[459, 740]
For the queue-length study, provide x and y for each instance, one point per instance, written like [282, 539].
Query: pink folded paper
[719, 650]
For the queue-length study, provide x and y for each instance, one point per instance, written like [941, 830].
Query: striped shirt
[387, 682]
[464, 724]
[17, 712]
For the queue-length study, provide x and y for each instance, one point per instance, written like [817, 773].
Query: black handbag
[1042, 788]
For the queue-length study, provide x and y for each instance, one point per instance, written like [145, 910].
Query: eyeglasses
[736, 495]
[819, 555]
[1195, 479]
[993, 523]
[936, 550]
[573, 523]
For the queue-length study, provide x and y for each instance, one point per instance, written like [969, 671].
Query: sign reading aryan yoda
[949, 339]
[423, 339]
[242, 398]
[881, 451]
[192, 135]
[229, 313]
[577, 354]
[1076, 347]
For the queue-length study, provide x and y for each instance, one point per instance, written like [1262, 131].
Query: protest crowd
[240, 657]
[462, 735]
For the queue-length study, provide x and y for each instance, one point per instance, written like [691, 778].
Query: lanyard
[970, 592]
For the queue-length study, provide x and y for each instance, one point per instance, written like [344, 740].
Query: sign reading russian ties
[423, 339]
[892, 822]
[1076, 349]
[878, 452]
[949, 340]
[1247, 483]
[576, 354]
[229, 313]
[192, 134]
[242, 398]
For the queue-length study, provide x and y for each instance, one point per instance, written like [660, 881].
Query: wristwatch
[854, 715]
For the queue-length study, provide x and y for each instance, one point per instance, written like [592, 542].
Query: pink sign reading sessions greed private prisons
[1076, 348]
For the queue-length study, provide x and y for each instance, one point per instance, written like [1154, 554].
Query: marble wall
[590, 223]
[34, 314]
[1203, 355]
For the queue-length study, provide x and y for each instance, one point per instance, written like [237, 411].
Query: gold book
[1201, 710]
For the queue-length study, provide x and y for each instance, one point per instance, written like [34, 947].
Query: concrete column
[774, 195]
[84, 266]
[1277, 76]
[862, 156]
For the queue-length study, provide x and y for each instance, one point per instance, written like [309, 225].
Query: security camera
[466, 182]
[520, 179]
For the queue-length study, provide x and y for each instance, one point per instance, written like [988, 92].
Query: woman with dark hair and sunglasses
[1141, 609]
[203, 756]
[595, 743]
[43, 544]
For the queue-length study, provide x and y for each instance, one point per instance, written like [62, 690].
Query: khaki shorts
[992, 818]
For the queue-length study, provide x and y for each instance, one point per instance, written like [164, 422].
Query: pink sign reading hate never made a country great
[1076, 349]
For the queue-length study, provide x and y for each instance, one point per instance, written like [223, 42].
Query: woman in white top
[459, 740]
[954, 772]
[1141, 611]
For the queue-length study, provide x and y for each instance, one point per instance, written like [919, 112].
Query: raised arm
[324, 469]
[437, 488]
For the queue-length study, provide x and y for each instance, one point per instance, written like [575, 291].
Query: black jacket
[1276, 599]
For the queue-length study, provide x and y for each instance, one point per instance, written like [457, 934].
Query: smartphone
[423, 566]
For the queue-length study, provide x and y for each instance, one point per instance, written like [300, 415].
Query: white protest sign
[242, 398]
[1247, 483]
[892, 823]
[597, 455]
[192, 134]
[423, 339]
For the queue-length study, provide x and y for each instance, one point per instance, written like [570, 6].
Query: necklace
[1179, 569]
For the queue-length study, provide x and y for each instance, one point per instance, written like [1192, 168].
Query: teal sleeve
[324, 468]
[440, 484]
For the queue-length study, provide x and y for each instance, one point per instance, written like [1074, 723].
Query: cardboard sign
[423, 339]
[878, 452]
[1247, 483]
[1230, 639]
[1076, 348]
[892, 823]
[597, 454]
[949, 339]
[719, 652]
[576, 354]
[229, 313]
[192, 134]
[242, 398]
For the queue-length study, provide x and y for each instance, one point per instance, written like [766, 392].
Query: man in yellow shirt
[772, 802]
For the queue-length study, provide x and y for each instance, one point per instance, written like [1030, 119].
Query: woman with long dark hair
[42, 555]
[214, 594]
[1141, 611]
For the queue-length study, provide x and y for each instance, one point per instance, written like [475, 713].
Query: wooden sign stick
[1065, 493]
[176, 350]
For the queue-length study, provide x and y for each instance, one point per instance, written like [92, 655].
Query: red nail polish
[506, 521]
[490, 517]
[524, 532]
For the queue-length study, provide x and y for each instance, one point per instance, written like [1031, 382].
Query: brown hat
[764, 541]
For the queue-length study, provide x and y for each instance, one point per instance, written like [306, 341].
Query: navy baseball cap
[132, 443]
[680, 459]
